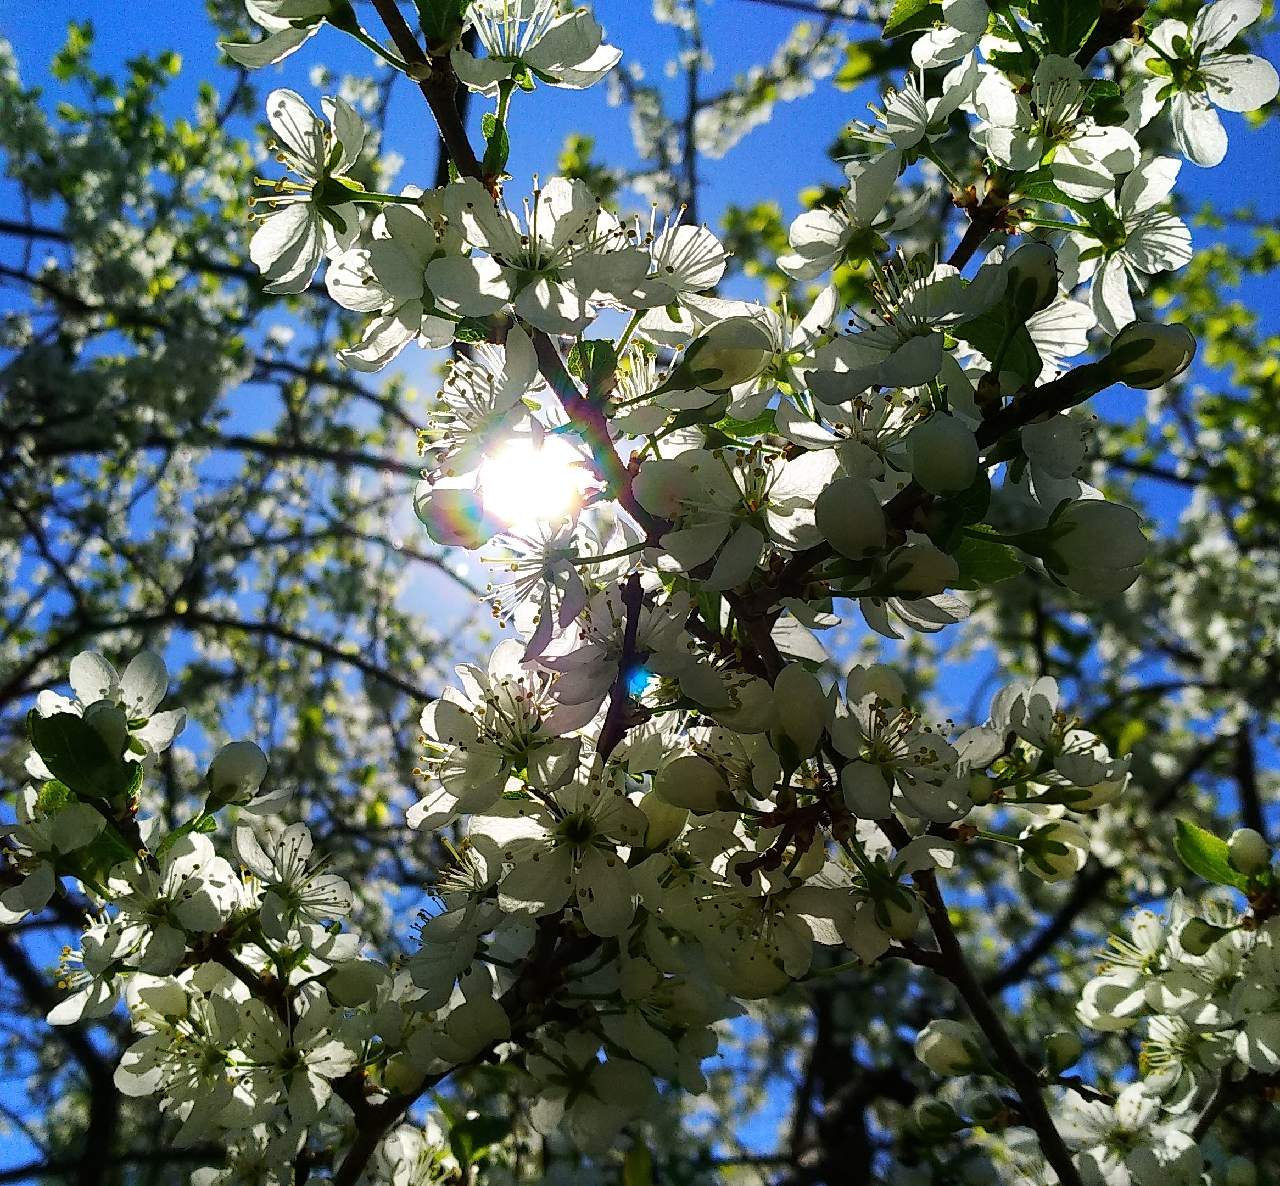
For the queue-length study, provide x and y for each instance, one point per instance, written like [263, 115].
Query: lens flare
[525, 483]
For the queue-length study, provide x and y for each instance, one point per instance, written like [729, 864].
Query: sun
[526, 483]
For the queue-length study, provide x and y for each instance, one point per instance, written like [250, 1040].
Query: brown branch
[615, 725]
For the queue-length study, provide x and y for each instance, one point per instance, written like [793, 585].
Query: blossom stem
[371, 44]
[630, 329]
[618, 555]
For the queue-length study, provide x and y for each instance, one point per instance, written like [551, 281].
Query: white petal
[92, 678]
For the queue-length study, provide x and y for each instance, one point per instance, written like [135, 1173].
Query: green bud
[1146, 355]
[1062, 1050]
[1248, 851]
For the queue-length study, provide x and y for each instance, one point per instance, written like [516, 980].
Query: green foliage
[910, 16]
[1206, 855]
[1065, 23]
[79, 758]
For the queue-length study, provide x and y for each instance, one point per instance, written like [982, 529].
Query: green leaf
[985, 562]
[496, 150]
[637, 1168]
[78, 757]
[441, 23]
[1065, 23]
[1206, 855]
[745, 430]
[593, 361]
[910, 16]
[470, 1140]
[988, 334]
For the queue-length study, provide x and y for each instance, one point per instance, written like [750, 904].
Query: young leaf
[1065, 23]
[78, 757]
[984, 562]
[910, 16]
[1206, 855]
[594, 361]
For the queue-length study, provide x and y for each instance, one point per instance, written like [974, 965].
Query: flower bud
[691, 782]
[850, 517]
[981, 788]
[1054, 851]
[1248, 851]
[1095, 547]
[944, 454]
[920, 570]
[1062, 1050]
[666, 821]
[897, 913]
[802, 707]
[988, 1109]
[1147, 355]
[732, 351]
[950, 1048]
[935, 1118]
[236, 773]
[1033, 278]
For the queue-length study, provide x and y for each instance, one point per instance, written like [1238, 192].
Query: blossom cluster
[656, 802]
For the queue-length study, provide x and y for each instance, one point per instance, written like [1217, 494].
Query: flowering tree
[655, 810]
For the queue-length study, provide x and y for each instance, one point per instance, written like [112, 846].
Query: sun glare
[524, 483]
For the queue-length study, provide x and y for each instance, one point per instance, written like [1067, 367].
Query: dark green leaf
[988, 334]
[1065, 23]
[1206, 855]
[469, 1140]
[441, 23]
[78, 757]
[594, 362]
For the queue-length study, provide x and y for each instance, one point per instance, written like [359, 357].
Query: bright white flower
[36, 847]
[1123, 1144]
[907, 117]
[1191, 70]
[957, 31]
[1047, 126]
[1132, 238]
[889, 748]
[822, 238]
[498, 727]
[389, 274]
[288, 24]
[193, 890]
[523, 37]
[122, 708]
[296, 892]
[566, 849]
[725, 506]
[566, 252]
[316, 216]
[686, 259]
[294, 1067]
[901, 343]
[1255, 1000]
